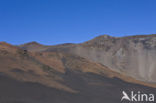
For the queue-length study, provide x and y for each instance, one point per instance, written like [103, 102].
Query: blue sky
[73, 21]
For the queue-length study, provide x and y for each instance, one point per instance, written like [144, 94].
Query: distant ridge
[133, 55]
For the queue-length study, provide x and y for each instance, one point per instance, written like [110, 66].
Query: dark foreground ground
[92, 89]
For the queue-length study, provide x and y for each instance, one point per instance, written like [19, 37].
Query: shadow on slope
[92, 89]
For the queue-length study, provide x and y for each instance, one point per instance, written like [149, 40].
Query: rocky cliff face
[133, 55]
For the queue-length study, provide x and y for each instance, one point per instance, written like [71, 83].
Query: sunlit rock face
[135, 56]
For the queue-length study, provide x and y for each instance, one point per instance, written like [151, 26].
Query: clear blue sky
[73, 21]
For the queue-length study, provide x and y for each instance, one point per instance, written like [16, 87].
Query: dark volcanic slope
[92, 89]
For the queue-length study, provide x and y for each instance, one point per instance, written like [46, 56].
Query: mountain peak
[5, 44]
[105, 36]
[32, 43]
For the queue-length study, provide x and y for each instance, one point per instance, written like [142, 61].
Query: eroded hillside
[57, 76]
